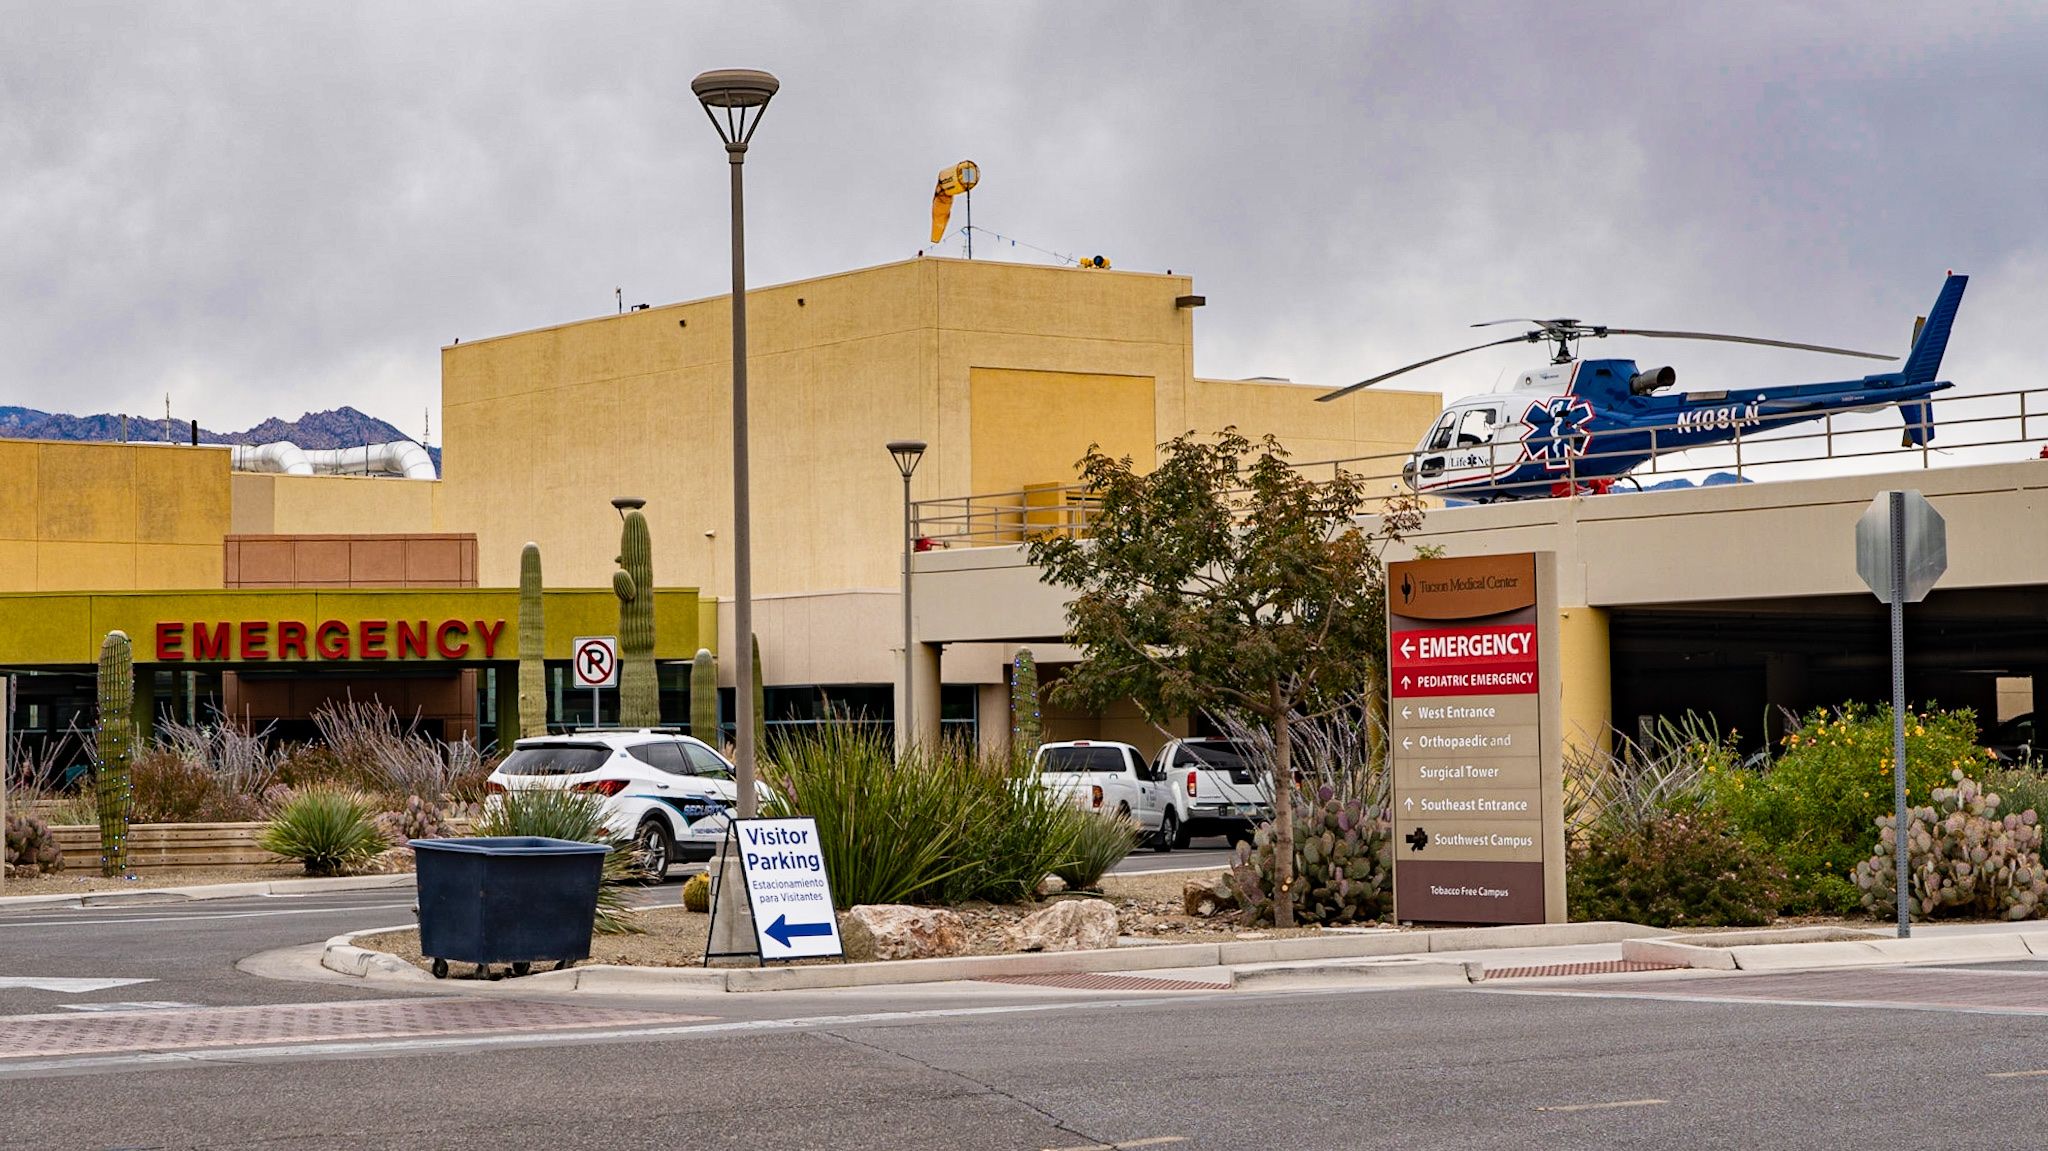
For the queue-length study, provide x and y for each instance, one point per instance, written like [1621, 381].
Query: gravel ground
[1148, 906]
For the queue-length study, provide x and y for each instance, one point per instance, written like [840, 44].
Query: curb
[209, 891]
[1396, 973]
[1877, 950]
[341, 955]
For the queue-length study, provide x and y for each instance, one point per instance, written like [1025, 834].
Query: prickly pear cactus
[633, 583]
[704, 698]
[1027, 729]
[111, 785]
[31, 849]
[1342, 865]
[420, 818]
[533, 642]
[1962, 858]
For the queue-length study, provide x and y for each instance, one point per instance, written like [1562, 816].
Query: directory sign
[1474, 770]
[791, 895]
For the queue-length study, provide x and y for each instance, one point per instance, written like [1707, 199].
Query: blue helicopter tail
[1924, 362]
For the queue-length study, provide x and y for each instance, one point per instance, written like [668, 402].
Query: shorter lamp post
[907, 453]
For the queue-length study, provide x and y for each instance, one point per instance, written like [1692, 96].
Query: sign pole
[6, 764]
[1898, 558]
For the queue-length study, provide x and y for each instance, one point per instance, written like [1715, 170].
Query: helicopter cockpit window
[1440, 436]
[1477, 426]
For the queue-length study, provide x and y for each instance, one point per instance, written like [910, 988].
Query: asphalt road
[1579, 1065]
[182, 952]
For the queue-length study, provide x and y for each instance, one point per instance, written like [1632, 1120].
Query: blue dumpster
[509, 899]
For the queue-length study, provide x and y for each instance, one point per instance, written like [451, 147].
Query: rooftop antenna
[167, 417]
[427, 415]
[621, 294]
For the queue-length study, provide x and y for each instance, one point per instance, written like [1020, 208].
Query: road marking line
[68, 986]
[2016, 1074]
[1606, 1106]
[1758, 1001]
[136, 1005]
[1154, 1141]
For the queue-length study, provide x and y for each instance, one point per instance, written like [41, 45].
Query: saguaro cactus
[533, 641]
[639, 691]
[1027, 730]
[111, 786]
[704, 698]
[760, 698]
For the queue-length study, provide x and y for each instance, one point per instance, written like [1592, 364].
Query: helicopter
[1578, 425]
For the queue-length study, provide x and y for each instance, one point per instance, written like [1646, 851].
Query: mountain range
[342, 427]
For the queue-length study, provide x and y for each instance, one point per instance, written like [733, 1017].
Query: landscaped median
[1235, 962]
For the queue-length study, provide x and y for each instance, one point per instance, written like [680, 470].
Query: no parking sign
[596, 660]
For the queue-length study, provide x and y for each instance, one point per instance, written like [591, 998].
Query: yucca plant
[1100, 843]
[942, 825]
[558, 813]
[330, 830]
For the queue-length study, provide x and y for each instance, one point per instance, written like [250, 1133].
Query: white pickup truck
[1114, 778]
[1225, 790]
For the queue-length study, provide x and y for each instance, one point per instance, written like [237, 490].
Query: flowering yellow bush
[1816, 806]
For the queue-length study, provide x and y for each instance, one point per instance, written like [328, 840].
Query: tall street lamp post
[736, 99]
[907, 453]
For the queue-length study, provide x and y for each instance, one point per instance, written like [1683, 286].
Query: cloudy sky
[263, 209]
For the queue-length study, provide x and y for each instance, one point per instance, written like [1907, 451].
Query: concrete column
[1586, 667]
[992, 718]
[508, 703]
[924, 691]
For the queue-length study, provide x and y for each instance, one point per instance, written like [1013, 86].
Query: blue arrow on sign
[782, 930]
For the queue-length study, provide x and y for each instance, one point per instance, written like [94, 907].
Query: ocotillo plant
[1027, 729]
[111, 787]
[704, 698]
[760, 699]
[533, 639]
[639, 691]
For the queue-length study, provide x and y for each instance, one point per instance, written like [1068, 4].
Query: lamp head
[907, 453]
[738, 91]
[628, 504]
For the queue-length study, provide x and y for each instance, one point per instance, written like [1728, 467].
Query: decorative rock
[1051, 885]
[1205, 898]
[1069, 925]
[895, 931]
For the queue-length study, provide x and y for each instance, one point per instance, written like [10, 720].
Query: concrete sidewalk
[1385, 957]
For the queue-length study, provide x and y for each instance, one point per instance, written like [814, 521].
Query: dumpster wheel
[440, 969]
[521, 968]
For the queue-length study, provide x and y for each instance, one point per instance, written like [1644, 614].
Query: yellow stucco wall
[270, 504]
[544, 428]
[1024, 430]
[47, 629]
[85, 516]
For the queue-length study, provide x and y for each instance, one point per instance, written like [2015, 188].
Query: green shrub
[697, 893]
[1814, 807]
[330, 830]
[2017, 788]
[943, 826]
[558, 813]
[1100, 842]
[1670, 768]
[1679, 869]
[1962, 858]
[1342, 863]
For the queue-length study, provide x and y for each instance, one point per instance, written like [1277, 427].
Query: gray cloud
[269, 208]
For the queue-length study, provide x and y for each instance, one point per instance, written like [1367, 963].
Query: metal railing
[1989, 427]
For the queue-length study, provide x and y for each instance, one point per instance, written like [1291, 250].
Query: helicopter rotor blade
[1328, 396]
[1664, 335]
[1513, 320]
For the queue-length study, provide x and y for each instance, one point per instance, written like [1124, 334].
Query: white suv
[670, 793]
